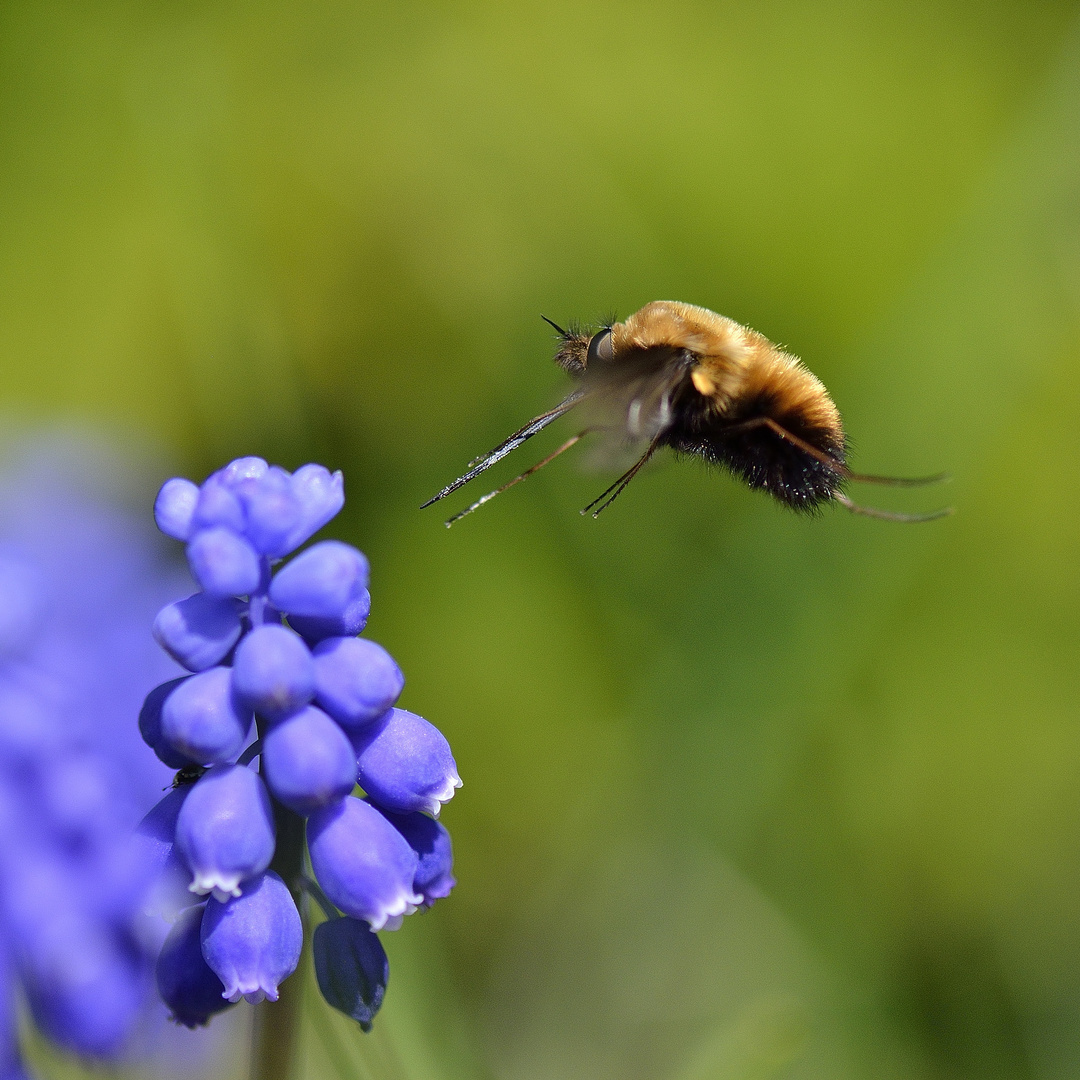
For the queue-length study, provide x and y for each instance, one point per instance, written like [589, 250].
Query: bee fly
[684, 377]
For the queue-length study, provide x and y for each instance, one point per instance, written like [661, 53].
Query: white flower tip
[223, 886]
[391, 916]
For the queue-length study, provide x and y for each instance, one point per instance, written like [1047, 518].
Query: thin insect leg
[888, 515]
[897, 481]
[620, 485]
[517, 479]
[802, 444]
[512, 443]
[843, 470]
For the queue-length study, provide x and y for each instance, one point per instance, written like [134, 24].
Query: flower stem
[277, 1023]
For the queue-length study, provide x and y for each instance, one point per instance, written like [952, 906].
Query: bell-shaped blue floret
[174, 507]
[185, 981]
[308, 761]
[321, 581]
[349, 623]
[404, 763]
[356, 681]
[273, 672]
[321, 494]
[223, 562]
[364, 865]
[225, 830]
[253, 941]
[431, 842]
[351, 968]
[200, 631]
[150, 725]
[203, 720]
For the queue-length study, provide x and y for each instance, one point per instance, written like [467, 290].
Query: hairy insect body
[680, 376]
[705, 385]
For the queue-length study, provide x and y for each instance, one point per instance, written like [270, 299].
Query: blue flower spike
[280, 643]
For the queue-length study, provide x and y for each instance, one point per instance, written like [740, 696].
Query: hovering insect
[681, 376]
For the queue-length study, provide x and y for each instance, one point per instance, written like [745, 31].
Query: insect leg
[888, 515]
[847, 474]
[517, 479]
[620, 485]
[527, 432]
[897, 481]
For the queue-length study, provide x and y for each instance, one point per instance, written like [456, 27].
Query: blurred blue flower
[282, 647]
[79, 578]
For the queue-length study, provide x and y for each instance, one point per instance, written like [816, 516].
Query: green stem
[277, 1023]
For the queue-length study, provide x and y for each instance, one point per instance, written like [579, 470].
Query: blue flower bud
[185, 981]
[321, 494]
[202, 719]
[351, 967]
[223, 562]
[308, 761]
[253, 941]
[356, 681]
[364, 865]
[405, 764]
[273, 672]
[218, 506]
[271, 510]
[200, 631]
[175, 507]
[321, 581]
[225, 830]
[348, 624]
[431, 842]
[150, 725]
[241, 469]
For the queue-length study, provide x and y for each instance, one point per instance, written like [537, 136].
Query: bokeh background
[747, 795]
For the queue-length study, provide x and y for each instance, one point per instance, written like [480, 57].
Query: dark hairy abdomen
[758, 455]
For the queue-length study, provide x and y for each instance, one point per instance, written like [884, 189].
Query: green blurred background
[746, 795]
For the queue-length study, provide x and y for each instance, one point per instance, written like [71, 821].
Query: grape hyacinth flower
[79, 579]
[285, 709]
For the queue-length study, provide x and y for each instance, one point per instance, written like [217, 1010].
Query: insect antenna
[517, 479]
[554, 324]
[620, 485]
[527, 432]
[889, 515]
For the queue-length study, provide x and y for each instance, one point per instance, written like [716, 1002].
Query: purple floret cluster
[280, 679]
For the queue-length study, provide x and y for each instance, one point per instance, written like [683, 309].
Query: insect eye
[600, 347]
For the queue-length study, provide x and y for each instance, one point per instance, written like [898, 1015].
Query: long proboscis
[508, 445]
